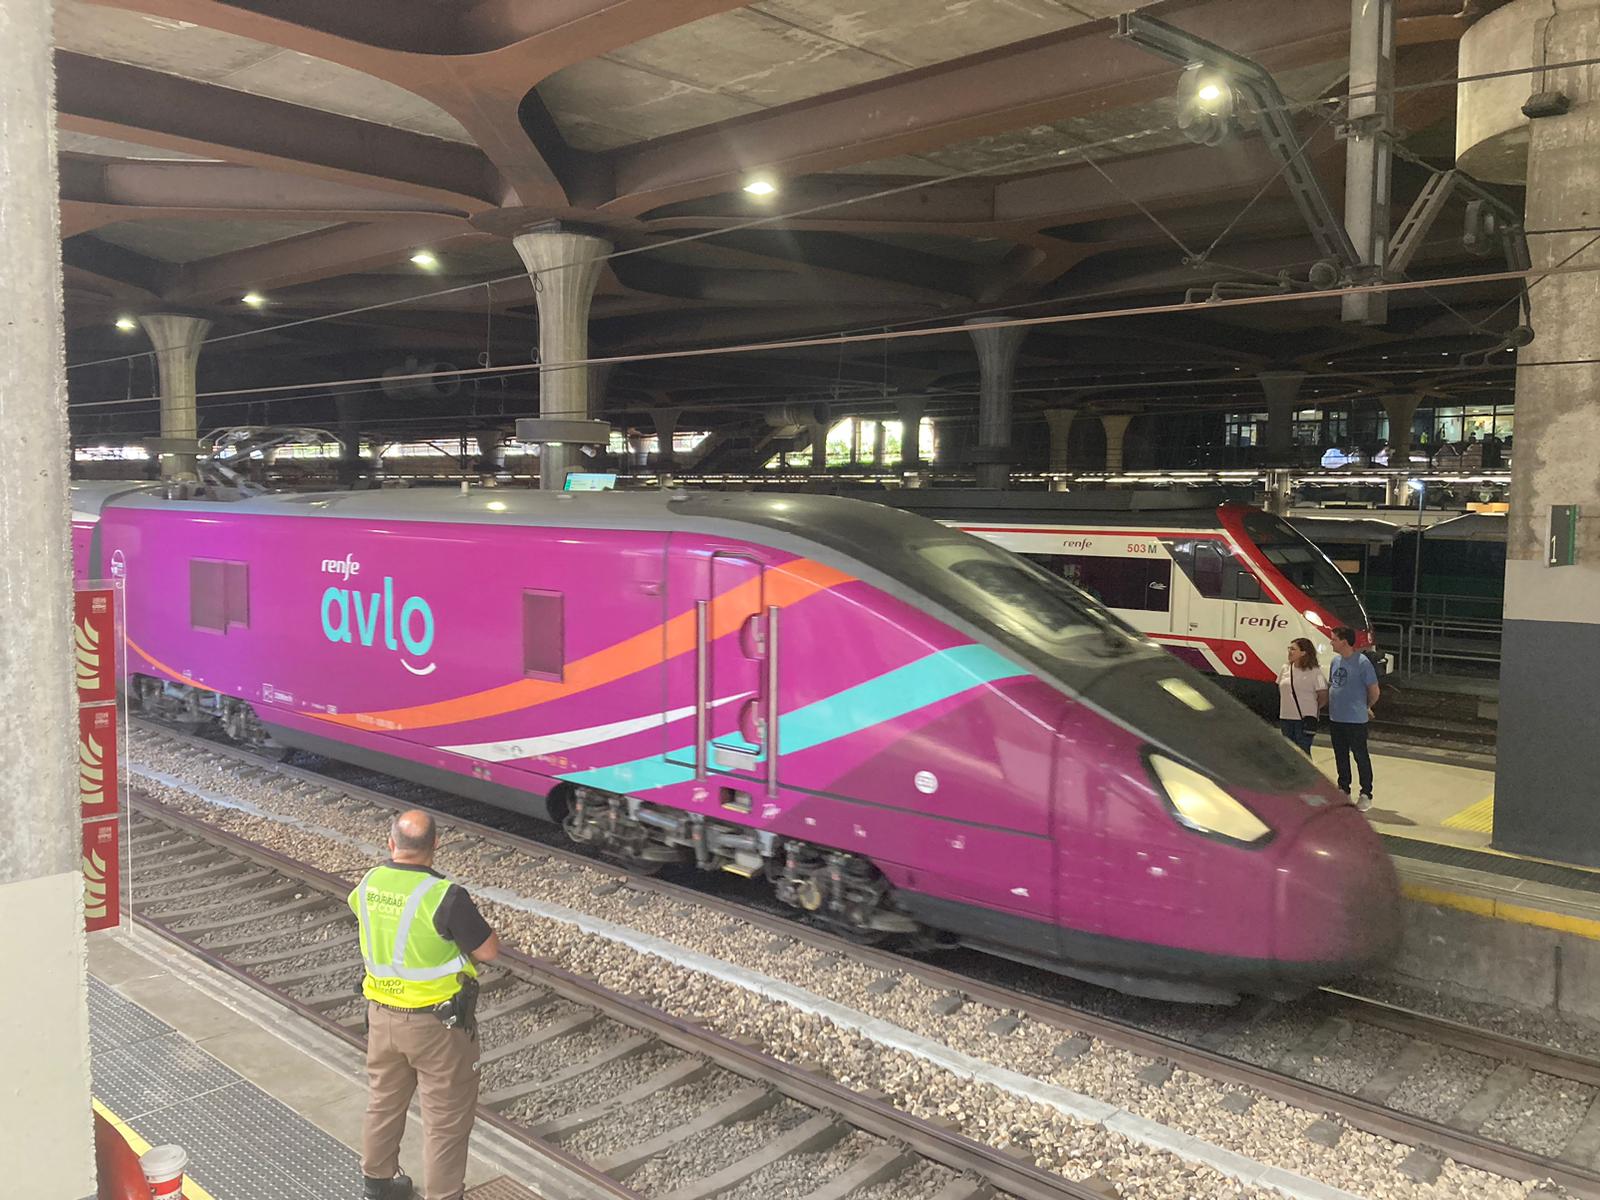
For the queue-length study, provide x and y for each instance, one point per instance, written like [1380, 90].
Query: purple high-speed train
[904, 729]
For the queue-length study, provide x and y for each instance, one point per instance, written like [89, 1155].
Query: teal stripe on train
[938, 676]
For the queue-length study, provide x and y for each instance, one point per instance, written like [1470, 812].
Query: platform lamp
[1208, 105]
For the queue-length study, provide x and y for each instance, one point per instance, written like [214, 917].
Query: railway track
[623, 1095]
[1477, 1128]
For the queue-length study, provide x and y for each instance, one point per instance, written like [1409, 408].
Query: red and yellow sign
[94, 645]
[98, 777]
[102, 875]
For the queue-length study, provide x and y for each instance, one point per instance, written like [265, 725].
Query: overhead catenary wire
[898, 335]
[775, 218]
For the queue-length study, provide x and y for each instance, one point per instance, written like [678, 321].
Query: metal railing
[1427, 632]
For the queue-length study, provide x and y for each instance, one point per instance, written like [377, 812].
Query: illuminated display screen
[581, 481]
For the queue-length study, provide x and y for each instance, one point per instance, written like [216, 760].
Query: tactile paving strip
[501, 1189]
[242, 1143]
[114, 1023]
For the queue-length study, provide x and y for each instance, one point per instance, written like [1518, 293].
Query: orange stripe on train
[786, 584]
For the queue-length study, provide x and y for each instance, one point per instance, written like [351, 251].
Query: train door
[732, 689]
[1205, 614]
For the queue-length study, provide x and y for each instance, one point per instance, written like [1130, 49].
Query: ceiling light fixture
[253, 299]
[127, 324]
[425, 259]
[761, 187]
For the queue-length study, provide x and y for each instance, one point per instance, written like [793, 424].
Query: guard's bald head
[412, 833]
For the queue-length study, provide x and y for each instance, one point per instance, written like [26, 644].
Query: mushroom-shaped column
[1282, 390]
[910, 410]
[1401, 410]
[666, 423]
[997, 363]
[176, 340]
[1116, 427]
[1059, 421]
[565, 267]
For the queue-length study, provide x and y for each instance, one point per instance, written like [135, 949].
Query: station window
[543, 636]
[219, 595]
[1142, 584]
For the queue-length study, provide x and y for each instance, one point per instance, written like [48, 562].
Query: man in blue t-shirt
[1352, 692]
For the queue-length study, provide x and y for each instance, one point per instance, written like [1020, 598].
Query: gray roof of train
[879, 544]
[851, 527]
[1188, 509]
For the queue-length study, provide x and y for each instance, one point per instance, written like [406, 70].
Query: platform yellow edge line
[191, 1189]
[1499, 910]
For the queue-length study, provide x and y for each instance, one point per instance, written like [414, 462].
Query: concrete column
[599, 385]
[1279, 491]
[1401, 409]
[666, 423]
[910, 410]
[1060, 421]
[1282, 390]
[565, 267]
[819, 447]
[44, 1101]
[638, 456]
[1549, 757]
[491, 451]
[1116, 428]
[997, 362]
[176, 341]
[880, 444]
[348, 408]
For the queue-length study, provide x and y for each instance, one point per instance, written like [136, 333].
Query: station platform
[1504, 927]
[267, 1105]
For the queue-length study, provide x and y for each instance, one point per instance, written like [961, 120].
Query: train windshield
[1305, 567]
[1033, 608]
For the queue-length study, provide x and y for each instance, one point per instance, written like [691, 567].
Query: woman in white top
[1302, 691]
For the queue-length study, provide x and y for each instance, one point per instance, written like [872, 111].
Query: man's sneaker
[398, 1188]
[1365, 801]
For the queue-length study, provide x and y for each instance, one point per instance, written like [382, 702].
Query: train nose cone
[1337, 899]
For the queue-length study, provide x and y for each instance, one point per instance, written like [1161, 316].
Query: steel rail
[863, 1110]
[1468, 1148]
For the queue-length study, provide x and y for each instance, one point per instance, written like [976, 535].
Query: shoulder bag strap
[1294, 692]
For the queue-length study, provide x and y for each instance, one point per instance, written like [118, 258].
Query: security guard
[420, 935]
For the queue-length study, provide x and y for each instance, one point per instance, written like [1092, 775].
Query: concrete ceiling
[936, 157]
[192, 51]
[191, 241]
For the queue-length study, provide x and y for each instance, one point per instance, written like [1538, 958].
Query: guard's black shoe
[398, 1188]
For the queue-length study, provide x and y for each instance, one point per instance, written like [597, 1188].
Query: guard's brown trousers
[409, 1050]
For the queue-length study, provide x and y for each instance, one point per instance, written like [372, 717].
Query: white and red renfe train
[1222, 585]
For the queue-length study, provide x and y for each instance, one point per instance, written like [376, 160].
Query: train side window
[1208, 570]
[1130, 583]
[543, 636]
[219, 595]
[1246, 586]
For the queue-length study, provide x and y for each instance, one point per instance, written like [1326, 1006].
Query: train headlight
[1202, 805]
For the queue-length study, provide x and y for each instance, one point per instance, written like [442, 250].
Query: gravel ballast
[1269, 1132]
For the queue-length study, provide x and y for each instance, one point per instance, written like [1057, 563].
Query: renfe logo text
[1267, 623]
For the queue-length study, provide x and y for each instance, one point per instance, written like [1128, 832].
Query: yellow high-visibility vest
[408, 964]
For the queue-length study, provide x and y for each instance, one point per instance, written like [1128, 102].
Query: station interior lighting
[426, 260]
[127, 324]
[761, 186]
[253, 299]
[1207, 105]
